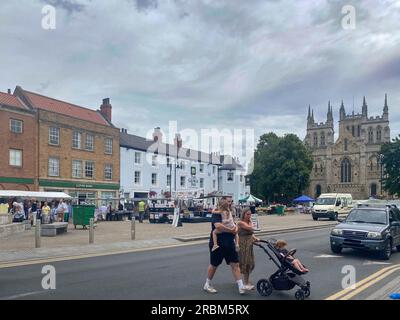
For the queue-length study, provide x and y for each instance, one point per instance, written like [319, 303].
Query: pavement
[114, 237]
[179, 271]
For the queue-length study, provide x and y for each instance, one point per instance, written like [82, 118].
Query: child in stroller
[286, 277]
[280, 245]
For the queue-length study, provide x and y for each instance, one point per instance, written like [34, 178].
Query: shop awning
[33, 194]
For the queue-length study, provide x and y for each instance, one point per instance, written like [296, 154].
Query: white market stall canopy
[33, 194]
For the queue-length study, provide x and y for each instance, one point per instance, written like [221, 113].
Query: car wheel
[336, 249]
[398, 248]
[264, 287]
[387, 251]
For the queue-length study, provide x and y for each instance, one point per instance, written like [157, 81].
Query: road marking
[93, 255]
[327, 256]
[363, 283]
[369, 284]
[22, 295]
[369, 262]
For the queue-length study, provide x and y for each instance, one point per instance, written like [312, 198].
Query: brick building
[18, 145]
[78, 148]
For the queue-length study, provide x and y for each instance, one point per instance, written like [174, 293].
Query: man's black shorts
[228, 253]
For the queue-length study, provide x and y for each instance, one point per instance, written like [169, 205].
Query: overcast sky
[224, 64]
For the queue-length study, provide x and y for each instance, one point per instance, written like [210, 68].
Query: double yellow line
[360, 286]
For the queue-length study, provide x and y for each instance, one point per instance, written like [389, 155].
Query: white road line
[22, 295]
[369, 262]
[327, 256]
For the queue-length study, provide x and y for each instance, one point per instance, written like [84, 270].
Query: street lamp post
[381, 164]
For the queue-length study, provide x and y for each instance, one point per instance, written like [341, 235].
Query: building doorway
[318, 191]
[373, 191]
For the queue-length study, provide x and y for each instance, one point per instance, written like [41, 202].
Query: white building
[157, 169]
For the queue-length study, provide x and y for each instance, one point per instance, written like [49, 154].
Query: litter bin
[280, 210]
[82, 215]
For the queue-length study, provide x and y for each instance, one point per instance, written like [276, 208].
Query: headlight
[374, 235]
[337, 232]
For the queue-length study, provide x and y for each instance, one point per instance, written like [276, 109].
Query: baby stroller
[286, 277]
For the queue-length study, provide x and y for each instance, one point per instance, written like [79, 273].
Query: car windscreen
[325, 201]
[368, 216]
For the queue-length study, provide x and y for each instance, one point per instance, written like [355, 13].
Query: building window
[353, 131]
[15, 158]
[183, 182]
[373, 190]
[54, 167]
[107, 196]
[214, 170]
[241, 178]
[154, 179]
[315, 139]
[108, 146]
[154, 160]
[168, 180]
[318, 191]
[201, 182]
[370, 135]
[379, 134]
[229, 176]
[137, 177]
[77, 169]
[358, 131]
[76, 140]
[345, 171]
[214, 184]
[201, 168]
[89, 169]
[108, 171]
[54, 136]
[138, 158]
[89, 142]
[16, 126]
[322, 138]
[346, 145]
[168, 161]
[183, 165]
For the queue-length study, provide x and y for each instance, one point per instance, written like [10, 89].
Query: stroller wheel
[299, 295]
[264, 287]
[307, 292]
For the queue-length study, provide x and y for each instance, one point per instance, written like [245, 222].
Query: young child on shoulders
[227, 221]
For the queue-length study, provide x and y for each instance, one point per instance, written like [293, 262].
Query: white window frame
[201, 167]
[184, 182]
[214, 184]
[154, 160]
[89, 147]
[52, 167]
[201, 183]
[108, 169]
[13, 126]
[140, 178]
[154, 184]
[13, 158]
[74, 169]
[108, 145]
[169, 180]
[228, 173]
[76, 140]
[53, 134]
[137, 153]
[93, 170]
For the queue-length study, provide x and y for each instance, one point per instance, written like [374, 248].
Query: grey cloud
[143, 5]
[70, 6]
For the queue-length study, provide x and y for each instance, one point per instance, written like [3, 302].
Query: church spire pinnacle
[365, 108]
[386, 108]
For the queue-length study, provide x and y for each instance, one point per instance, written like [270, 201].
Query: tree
[282, 167]
[391, 163]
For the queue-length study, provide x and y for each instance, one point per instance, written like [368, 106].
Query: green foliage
[391, 164]
[282, 166]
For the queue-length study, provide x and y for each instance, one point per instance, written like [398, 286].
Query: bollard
[38, 234]
[91, 231]
[133, 228]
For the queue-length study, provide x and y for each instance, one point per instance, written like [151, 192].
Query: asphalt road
[179, 273]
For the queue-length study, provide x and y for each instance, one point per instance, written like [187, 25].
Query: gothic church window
[379, 134]
[345, 171]
[370, 135]
[322, 138]
[346, 145]
[315, 139]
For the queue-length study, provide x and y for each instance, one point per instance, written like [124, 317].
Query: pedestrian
[45, 213]
[246, 253]
[142, 209]
[227, 251]
[62, 210]
[109, 212]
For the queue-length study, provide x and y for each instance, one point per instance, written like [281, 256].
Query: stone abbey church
[351, 164]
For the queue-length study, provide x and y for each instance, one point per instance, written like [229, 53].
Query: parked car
[372, 228]
[331, 205]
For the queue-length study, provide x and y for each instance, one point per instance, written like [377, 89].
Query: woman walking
[246, 253]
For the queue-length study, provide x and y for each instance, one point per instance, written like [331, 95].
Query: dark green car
[370, 228]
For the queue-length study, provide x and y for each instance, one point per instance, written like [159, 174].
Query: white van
[331, 205]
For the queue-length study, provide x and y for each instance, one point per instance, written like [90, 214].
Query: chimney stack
[9, 91]
[178, 141]
[106, 108]
[157, 135]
